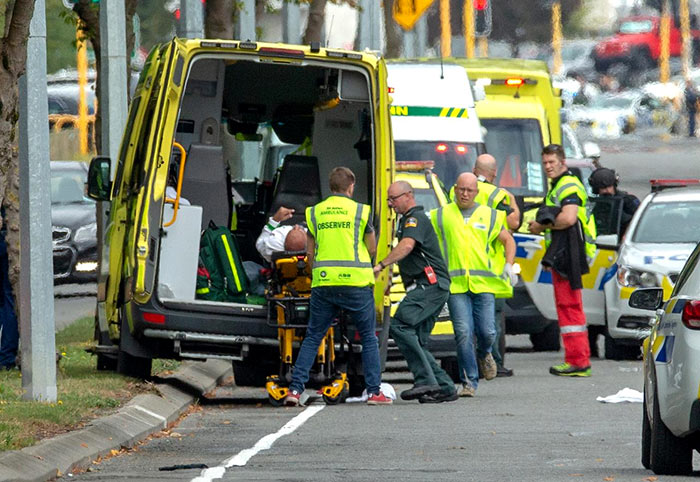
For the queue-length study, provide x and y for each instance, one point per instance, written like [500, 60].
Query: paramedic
[340, 246]
[568, 197]
[427, 283]
[460, 224]
[485, 170]
[275, 238]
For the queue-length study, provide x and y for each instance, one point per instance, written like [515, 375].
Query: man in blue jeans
[340, 247]
[9, 338]
[468, 232]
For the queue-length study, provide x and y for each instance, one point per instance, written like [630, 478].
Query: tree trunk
[393, 34]
[89, 14]
[13, 60]
[218, 19]
[314, 24]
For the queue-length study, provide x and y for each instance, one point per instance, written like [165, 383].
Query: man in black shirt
[603, 182]
[427, 283]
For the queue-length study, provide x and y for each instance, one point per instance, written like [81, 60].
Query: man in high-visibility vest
[340, 247]
[467, 233]
[424, 274]
[485, 170]
[567, 194]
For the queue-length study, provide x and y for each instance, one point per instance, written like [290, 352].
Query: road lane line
[265, 443]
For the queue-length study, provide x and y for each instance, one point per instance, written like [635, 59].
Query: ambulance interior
[259, 135]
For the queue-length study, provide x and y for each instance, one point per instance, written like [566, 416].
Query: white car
[659, 239]
[671, 416]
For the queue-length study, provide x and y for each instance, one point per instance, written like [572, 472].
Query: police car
[659, 239]
[671, 415]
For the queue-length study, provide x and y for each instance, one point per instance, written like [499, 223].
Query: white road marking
[265, 443]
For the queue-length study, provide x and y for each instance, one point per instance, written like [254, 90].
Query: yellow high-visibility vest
[467, 247]
[566, 186]
[491, 196]
[341, 258]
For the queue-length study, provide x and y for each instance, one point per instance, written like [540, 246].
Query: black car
[73, 223]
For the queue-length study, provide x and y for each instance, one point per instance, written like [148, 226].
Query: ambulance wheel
[105, 362]
[134, 366]
[547, 339]
[274, 402]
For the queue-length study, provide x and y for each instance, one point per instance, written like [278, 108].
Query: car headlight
[86, 233]
[635, 278]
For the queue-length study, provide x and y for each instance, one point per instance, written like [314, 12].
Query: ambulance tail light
[691, 314]
[461, 149]
[441, 148]
[514, 81]
[414, 165]
[390, 90]
[281, 52]
[156, 318]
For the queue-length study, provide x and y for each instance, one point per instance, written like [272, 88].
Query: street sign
[407, 12]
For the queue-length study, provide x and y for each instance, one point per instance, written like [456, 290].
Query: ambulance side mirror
[647, 298]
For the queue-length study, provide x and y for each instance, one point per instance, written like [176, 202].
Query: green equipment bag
[220, 275]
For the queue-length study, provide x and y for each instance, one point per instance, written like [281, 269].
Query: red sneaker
[379, 399]
[292, 399]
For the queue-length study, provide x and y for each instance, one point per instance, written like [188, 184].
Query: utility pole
[191, 23]
[665, 33]
[368, 34]
[244, 29]
[556, 36]
[291, 33]
[445, 29]
[469, 28]
[422, 36]
[36, 312]
[409, 43]
[686, 54]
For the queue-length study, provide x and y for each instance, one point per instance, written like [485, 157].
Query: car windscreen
[636, 26]
[669, 222]
[67, 186]
[611, 102]
[426, 198]
[517, 146]
[450, 158]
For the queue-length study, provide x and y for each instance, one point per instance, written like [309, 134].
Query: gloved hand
[509, 272]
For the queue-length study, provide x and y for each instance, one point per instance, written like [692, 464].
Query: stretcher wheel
[336, 400]
[274, 402]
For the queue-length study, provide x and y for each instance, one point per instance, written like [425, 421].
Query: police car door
[538, 281]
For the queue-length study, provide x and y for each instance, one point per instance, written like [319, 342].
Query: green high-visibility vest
[492, 196]
[566, 186]
[467, 247]
[341, 258]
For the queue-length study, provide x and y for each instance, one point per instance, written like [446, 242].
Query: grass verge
[83, 392]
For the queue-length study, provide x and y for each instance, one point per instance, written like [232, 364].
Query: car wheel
[451, 366]
[641, 60]
[547, 339]
[669, 455]
[619, 351]
[646, 435]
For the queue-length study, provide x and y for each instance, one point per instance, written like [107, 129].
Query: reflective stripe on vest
[568, 329]
[341, 257]
[572, 185]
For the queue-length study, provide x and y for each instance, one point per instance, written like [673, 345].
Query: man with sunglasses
[427, 283]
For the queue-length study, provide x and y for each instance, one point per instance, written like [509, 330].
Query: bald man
[467, 232]
[486, 170]
[275, 238]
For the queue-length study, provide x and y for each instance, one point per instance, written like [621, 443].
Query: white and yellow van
[202, 105]
[433, 117]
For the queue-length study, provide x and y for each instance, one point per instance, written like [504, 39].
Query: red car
[637, 44]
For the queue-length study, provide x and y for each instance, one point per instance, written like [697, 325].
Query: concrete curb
[142, 416]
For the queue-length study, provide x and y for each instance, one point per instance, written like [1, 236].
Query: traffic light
[482, 18]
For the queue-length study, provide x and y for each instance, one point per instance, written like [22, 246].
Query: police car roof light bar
[659, 184]
[414, 165]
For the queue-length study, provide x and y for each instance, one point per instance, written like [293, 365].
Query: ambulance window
[517, 146]
[133, 110]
